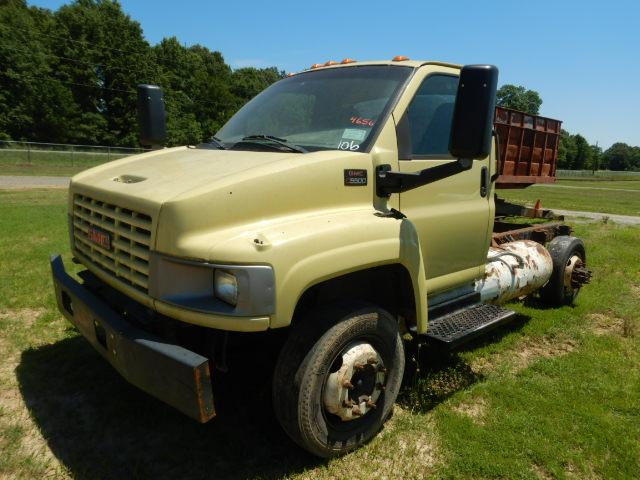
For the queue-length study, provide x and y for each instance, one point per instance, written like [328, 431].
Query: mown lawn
[556, 394]
[56, 163]
[617, 197]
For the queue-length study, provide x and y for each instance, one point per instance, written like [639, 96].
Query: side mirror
[151, 116]
[474, 110]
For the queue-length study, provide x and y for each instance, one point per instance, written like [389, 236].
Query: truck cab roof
[394, 63]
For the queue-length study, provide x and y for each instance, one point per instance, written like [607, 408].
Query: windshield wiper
[213, 142]
[273, 139]
[217, 142]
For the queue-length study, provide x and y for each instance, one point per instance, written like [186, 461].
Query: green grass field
[616, 197]
[556, 394]
[56, 163]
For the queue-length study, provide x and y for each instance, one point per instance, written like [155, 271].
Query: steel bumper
[171, 373]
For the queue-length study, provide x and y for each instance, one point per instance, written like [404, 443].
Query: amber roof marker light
[329, 63]
[316, 65]
[400, 58]
[347, 60]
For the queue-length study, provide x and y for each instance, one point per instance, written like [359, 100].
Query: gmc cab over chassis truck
[349, 207]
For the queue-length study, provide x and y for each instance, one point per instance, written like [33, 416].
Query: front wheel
[337, 378]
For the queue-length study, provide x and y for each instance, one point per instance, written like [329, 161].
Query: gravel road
[621, 219]
[17, 182]
[578, 187]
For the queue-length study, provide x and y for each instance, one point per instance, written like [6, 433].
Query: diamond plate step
[461, 326]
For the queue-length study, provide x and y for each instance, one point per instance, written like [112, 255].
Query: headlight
[225, 287]
[232, 290]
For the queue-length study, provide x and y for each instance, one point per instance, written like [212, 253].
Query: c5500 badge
[355, 177]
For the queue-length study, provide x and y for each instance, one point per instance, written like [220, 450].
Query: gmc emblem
[99, 237]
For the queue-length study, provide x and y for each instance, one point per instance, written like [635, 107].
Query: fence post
[28, 153]
[72, 153]
[109, 153]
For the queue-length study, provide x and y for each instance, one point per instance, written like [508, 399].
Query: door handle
[484, 181]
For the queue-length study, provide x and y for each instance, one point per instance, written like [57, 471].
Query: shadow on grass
[538, 304]
[99, 426]
[434, 374]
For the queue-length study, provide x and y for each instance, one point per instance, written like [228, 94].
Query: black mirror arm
[388, 182]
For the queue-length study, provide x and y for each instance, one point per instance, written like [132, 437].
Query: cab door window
[428, 118]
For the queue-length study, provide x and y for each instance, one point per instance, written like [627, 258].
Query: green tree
[567, 150]
[618, 157]
[70, 76]
[596, 157]
[197, 85]
[583, 154]
[635, 158]
[519, 98]
[112, 57]
[33, 105]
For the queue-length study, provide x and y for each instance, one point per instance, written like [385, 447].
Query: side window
[430, 113]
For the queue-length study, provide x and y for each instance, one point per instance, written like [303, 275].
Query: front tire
[329, 420]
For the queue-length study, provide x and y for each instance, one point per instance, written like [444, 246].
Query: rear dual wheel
[569, 271]
[337, 378]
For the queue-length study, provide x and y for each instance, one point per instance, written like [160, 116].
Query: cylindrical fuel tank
[515, 269]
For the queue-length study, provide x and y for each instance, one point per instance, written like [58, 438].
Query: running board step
[463, 325]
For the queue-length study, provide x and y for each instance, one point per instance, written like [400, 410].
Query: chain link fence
[35, 158]
[597, 174]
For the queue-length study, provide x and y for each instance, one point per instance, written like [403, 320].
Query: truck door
[451, 215]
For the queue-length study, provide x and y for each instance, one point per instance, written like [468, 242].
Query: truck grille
[130, 239]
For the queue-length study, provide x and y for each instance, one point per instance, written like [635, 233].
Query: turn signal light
[347, 60]
[399, 58]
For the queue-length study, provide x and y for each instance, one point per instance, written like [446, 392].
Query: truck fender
[395, 242]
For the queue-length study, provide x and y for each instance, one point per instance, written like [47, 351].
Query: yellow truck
[343, 212]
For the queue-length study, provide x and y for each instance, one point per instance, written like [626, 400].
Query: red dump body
[527, 148]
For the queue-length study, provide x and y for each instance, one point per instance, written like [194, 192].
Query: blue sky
[582, 56]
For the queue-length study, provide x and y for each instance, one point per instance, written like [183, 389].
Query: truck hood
[158, 176]
[192, 194]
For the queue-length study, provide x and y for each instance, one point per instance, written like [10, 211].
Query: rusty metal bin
[527, 148]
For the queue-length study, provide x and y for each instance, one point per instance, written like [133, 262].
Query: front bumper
[171, 373]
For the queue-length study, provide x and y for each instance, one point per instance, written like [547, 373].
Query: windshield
[332, 109]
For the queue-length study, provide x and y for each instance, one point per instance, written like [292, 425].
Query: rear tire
[312, 353]
[562, 249]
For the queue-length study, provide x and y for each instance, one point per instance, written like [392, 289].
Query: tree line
[574, 151]
[69, 76]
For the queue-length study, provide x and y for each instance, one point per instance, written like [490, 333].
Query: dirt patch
[524, 354]
[546, 348]
[410, 452]
[391, 424]
[13, 410]
[635, 291]
[475, 409]
[26, 316]
[605, 324]
[419, 446]
[578, 474]
[602, 324]
[540, 472]
[390, 461]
